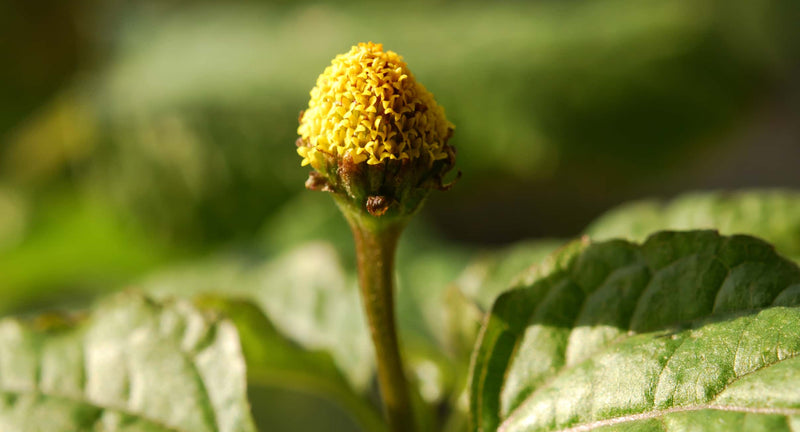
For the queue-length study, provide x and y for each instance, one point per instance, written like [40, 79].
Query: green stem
[375, 250]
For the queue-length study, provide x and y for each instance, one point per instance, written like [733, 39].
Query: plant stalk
[375, 251]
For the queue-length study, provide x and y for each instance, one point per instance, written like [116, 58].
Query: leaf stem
[375, 251]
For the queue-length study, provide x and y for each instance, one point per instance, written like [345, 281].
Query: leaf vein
[209, 405]
[756, 370]
[659, 414]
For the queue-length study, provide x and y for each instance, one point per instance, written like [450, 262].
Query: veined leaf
[293, 347]
[305, 294]
[134, 365]
[688, 331]
[470, 296]
[773, 215]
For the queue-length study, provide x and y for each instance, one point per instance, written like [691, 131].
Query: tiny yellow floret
[367, 105]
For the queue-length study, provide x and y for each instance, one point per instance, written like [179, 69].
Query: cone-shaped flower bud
[375, 137]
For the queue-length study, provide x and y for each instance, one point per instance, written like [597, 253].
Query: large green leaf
[687, 331]
[298, 319]
[470, 295]
[304, 292]
[133, 365]
[773, 215]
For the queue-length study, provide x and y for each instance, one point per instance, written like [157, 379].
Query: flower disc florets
[373, 133]
[367, 105]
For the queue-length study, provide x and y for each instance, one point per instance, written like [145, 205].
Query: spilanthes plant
[378, 142]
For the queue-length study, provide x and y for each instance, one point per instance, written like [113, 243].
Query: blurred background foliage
[150, 143]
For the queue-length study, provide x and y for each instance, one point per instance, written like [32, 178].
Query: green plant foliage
[426, 265]
[273, 361]
[311, 300]
[470, 295]
[773, 215]
[133, 365]
[304, 292]
[302, 327]
[687, 330]
[302, 277]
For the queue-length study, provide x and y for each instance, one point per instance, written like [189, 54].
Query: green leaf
[468, 298]
[275, 361]
[309, 297]
[298, 318]
[773, 215]
[304, 292]
[426, 266]
[687, 331]
[133, 365]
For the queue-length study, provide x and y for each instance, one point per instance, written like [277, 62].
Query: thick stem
[375, 250]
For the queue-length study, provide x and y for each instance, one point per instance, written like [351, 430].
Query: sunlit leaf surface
[771, 214]
[688, 328]
[133, 365]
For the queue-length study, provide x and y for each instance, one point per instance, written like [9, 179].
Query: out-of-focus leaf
[309, 297]
[689, 328]
[308, 217]
[469, 296]
[494, 272]
[773, 215]
[436, 355]
[304, 292]
[312, 300]
[133, 365]
[275, 361]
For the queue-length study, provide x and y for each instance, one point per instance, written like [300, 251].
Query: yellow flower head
[368, 107]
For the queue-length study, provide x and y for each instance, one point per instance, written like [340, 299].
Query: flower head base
[368, 106]
[375, 137]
